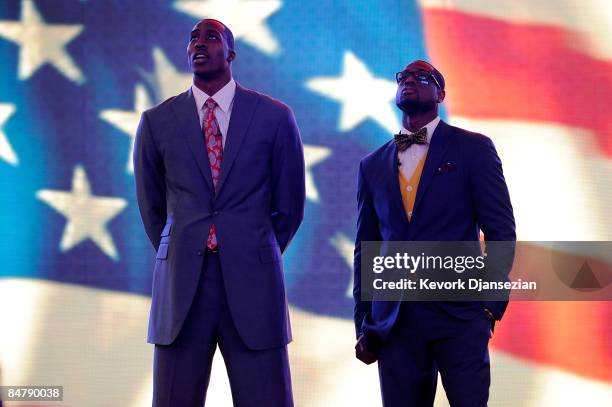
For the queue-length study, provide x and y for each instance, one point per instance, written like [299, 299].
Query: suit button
[216, 213]
[199, 252]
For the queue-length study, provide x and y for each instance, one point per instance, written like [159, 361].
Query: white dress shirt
[409, 158]
[225, 101]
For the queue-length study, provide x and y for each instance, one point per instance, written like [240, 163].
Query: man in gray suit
[220, 183]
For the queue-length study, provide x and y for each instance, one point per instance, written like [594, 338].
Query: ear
[231, 56]
[441, 95]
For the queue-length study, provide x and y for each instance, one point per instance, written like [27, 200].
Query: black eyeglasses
[402, 76]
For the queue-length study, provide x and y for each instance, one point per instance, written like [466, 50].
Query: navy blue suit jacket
[257, 209]
[453, 203]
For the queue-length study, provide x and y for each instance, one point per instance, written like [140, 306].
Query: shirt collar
[223, 97]
[431, 127]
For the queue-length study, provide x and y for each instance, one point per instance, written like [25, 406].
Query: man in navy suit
[220, 183]
[433, 182]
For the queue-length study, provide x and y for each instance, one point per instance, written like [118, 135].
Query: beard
[415, 107]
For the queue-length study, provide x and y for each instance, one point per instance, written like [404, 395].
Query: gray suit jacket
[257, 209]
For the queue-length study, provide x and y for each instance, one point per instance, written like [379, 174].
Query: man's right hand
[362, 353]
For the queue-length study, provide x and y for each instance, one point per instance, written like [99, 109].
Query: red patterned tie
[214, 148]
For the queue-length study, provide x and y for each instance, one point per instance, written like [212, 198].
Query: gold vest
[409, 187]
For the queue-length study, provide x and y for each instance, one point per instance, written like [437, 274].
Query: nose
[201, 42]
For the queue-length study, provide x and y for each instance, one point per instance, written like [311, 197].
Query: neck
[416, 120]
[211, 85]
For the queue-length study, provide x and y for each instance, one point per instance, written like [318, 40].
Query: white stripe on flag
[558, 180]
[93, 343]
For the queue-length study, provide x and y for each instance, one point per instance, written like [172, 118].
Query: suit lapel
[439, 145]
[392, 177]
[242, 113]
[187, 115]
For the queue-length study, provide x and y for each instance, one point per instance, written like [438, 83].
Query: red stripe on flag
[573, 336]
[500, 70]
[570, 335]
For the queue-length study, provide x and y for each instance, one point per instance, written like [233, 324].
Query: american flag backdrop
[75, 280]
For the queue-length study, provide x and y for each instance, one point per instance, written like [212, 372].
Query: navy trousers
[182, 369]
[425, 341]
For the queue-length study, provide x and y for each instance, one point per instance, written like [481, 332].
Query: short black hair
[435, 73]
[439, 77]
[227, 33]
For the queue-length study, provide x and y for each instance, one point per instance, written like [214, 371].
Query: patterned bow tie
[404, 141]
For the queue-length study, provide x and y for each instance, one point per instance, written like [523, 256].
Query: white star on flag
[361, 94]
[127, 120]
[42, 43]
[246, 19]
[165, 79]
[6, 151]
[313, 155]
[346, 248]
[86, 214]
